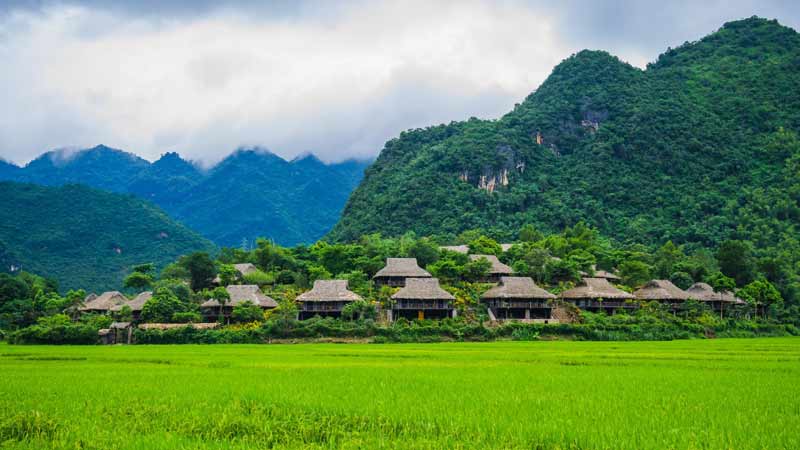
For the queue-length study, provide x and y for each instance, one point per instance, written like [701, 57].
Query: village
[420, 296]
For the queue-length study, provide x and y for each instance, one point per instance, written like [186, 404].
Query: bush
[57, 329]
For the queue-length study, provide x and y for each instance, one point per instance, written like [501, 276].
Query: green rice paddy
[731, 394]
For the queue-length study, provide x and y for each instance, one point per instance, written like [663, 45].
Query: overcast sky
[334, 79]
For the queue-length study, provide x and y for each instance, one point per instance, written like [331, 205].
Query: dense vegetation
[85, 238]
[718, 394]
[699, 148]
[556, 262]
[251, 193]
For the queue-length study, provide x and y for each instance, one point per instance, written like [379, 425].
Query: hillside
[84, 237]
[700, 147]
[250, 194]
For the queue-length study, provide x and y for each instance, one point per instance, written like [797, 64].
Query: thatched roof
[592, 288]
[245, 268]
[167, 326]
[497, 268]
[329, 291]
[241, 293]
[105, 301]
[89, 298]
[456, 248]
[119, 325]
[661, 290]
[137, 303]
[422, 289]
[704, 292]
[402, 267]
[506, 247]
[517, 287]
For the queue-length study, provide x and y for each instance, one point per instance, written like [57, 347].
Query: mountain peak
[753, 39]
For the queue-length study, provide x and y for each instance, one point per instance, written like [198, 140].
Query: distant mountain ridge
[251, 193]
[85, 237]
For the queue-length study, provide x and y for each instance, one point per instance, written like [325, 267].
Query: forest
[32, 311]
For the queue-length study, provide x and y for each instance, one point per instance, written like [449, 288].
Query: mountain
[84, 237]
[699, 147]
[251, 193]
[101, 167]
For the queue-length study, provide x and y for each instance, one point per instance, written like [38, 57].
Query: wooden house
[135, 305]
[327, 299]
[422, 298]
[518, 298]
[597, 294]
[718, 301]
[239, 293]
[496, 270]
[662, 291]
[397, 270]
[103, 303]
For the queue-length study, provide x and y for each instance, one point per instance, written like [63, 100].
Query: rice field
[731, 394]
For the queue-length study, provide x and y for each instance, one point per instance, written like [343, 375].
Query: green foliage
[246, 312]
[227, 274]
[162, 306]
[201, 269]
[360, 310]
[85, 238]
[138, 281]
[484, 246]
[634, 273]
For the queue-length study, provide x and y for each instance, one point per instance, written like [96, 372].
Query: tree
[201, 270]
[721, 283]
[162, 306]
[476, 270]
[227, 274]
[221, 295]
[359, 309]
[665, 259]
[138, 281]
[681, 279]
[736, 261]
[529, 233]
[761, 294]
[426, 251]
[485, 246]
[246, 312]
[634, 273]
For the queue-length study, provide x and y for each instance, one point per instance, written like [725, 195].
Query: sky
[337, 79]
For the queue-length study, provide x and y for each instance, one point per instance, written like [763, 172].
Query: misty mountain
[251, 193]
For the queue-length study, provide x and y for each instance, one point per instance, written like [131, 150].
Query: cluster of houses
[421, 297]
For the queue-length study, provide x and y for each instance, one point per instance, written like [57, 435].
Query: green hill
[86, 238]
[698, 148]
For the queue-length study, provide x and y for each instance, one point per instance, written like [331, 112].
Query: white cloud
[336, 81]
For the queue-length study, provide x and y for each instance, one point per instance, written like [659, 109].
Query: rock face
[492, 178]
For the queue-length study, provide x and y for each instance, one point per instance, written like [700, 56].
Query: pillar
[527, 314]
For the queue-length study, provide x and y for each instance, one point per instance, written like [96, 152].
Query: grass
[731, 394]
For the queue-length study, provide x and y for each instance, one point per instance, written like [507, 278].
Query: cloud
[336, 79]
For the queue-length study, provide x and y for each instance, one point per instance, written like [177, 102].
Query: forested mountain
[700, 147]
[84, 237]
[249, 194]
